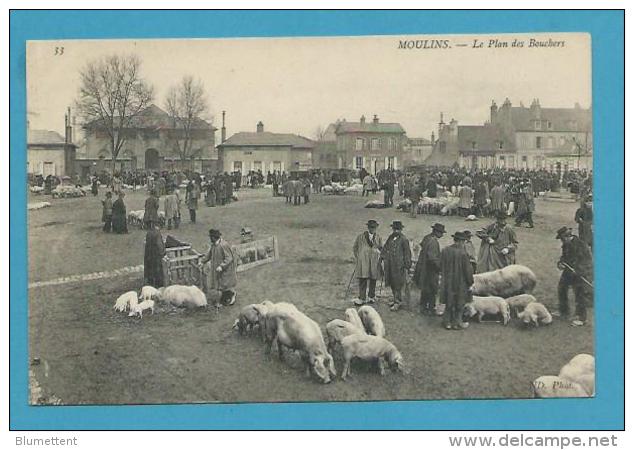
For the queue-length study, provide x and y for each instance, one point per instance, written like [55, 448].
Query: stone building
[265, 151]
[150, 144]
[371, 145]
[416, 150]
[520, 138]
[48, 153]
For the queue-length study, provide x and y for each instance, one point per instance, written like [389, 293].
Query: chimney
[494, 112]
[362, 120]
[375, 120]
[433, 138]
[441, 125]
[67, 128]
[223, 130]
[260, 127]
[536, 109]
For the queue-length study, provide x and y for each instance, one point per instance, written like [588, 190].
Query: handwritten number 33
[59, 51]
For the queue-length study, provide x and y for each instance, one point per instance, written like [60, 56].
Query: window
[511, 162]
[524, 162]
[502, 162]
[391, 162]
[549, 125]
[359, 144]
[562, 141]
[538, 125]
[237, 166]
[501, 145]
[474, 145]
[538, 142]
[392, 144]
[358, 162]
[257, 165]
[375, 144]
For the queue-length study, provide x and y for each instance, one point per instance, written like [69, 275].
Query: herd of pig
[175, 295]
[360, 336]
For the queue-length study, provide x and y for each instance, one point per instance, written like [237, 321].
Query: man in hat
[457, 279]
[498, 245]
[576, 263]
[367, 254]
[222, 268]
[151, 210]
[427, 271]
[397, 260]
[525, 204]
[470, 249]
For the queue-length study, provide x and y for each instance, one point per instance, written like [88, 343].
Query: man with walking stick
[367, 254]
[576, 263]
[397, 260]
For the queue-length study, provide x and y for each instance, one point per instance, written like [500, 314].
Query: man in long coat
[497, 199]
[119, 217]
[222, 268]
[497, 246]
[154, 252]
[457, 279]
[583, 217]
[427, 272]
[465, 195]
[367, 254]
[151, 210]
[397, 260]
[172, 210]
[576, 263]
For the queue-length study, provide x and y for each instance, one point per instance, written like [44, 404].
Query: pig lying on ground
[338, 329]
[506, 282]
[288, 327]
[148, 293]
[370, 348]
[126, 301]
[179, 295]
[251, 316]
[481, 306]
[550, 386]
[580, 370]
[372, 322]
[352, 316]
[535, 313]
[519, 302]
[137, 310]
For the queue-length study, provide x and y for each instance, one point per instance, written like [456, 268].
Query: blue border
[604, 412]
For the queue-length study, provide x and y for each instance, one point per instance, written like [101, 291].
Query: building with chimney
[151, 144]
[48, 153]
[265, 151]
[371, 145]
[519, 138]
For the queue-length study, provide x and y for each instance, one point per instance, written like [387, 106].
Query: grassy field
[89, 354]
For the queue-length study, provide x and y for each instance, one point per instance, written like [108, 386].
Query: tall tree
[186, 103]
[111, 95]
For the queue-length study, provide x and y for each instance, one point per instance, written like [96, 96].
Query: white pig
[372, 322]
[370, 348]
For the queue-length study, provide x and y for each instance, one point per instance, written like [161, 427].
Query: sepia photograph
[310, 219]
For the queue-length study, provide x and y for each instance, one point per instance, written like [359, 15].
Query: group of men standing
[449, 273]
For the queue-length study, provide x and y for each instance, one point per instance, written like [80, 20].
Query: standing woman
[154, 252]
[119, 218]
[191, 198]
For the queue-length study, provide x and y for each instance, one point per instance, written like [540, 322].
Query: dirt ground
[89, 354]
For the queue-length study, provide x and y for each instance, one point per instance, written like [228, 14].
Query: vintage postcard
[402, 217]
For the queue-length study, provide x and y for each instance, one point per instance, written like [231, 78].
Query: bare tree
[186, 103]
[320, 133]
[111, 95]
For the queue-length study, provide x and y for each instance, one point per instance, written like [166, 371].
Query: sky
[294, 85]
